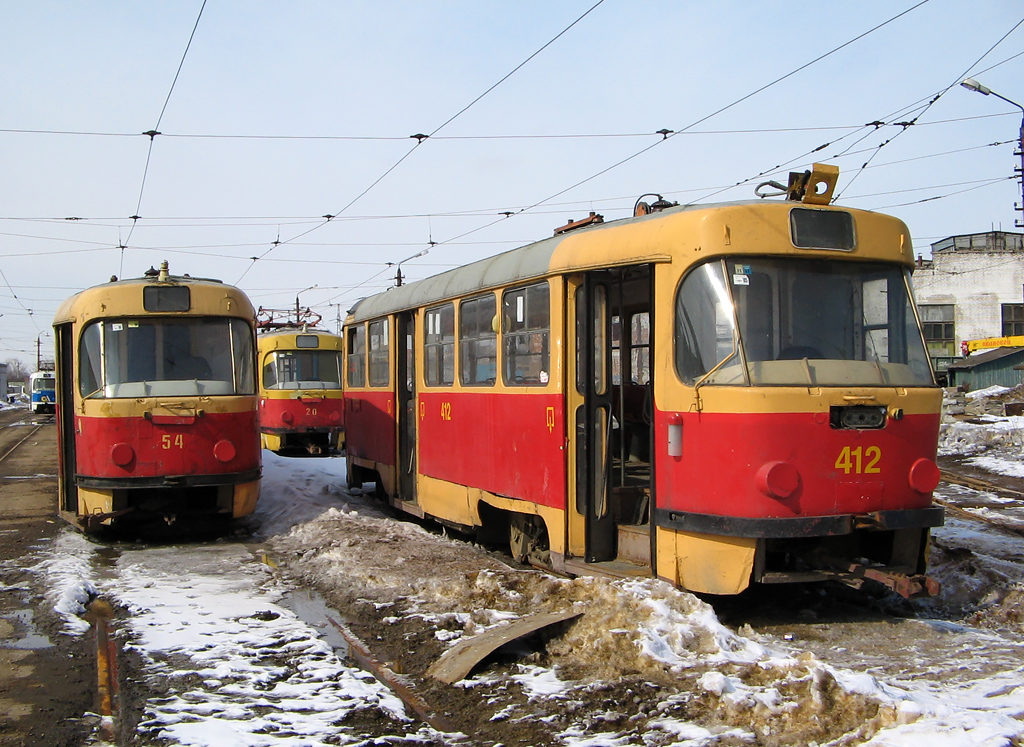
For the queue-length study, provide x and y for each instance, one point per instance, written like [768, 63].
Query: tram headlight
[924, 475]
[224, 451]
[122, 454]
[778, 479]
[287, 417]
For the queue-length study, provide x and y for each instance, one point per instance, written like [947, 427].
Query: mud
[47, 686]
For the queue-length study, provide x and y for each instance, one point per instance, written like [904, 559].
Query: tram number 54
[859, 460]
[168, 441]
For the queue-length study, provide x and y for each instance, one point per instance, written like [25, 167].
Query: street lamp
[398, 273]
[972, 85]
[297, 310]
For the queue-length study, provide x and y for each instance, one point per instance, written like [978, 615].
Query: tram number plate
[168, 441]
[859, 460]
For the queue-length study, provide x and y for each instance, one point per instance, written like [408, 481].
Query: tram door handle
[675, 435]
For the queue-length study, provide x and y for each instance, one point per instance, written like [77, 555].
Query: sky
[285, 165]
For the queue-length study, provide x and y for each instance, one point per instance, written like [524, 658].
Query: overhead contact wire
[152, 136]
[419, 141]
[931, 103]
[671, 134]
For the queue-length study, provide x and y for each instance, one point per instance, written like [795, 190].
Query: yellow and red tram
[157, 401]
[300, 375]
[714, 395]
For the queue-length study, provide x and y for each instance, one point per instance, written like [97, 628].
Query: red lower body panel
[210, 444]
[730, 465]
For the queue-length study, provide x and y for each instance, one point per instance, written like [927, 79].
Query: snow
[993, 391]
[259, 676]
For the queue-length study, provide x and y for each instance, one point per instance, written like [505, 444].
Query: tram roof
[537, 260]
[119, 297]
[529, 262]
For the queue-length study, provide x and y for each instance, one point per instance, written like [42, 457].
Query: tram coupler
[93, 522]
[908, 587]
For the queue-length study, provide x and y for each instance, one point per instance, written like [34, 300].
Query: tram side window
[90, 361]
[526, 325]
[439, 346]
[357, 356]
[379, 368]
[478, 341]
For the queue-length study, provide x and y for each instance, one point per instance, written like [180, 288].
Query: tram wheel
[528, 539]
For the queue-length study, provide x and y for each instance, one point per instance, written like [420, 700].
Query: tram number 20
[168, 441]
[859, 460]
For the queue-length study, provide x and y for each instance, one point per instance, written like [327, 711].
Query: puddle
[24, 620]
[313, 610]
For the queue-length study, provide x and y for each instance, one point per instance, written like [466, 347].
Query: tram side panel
[509, 444]
[370, 431]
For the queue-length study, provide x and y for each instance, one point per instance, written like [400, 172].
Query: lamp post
[972, 85]
[398, 273]
[298, 312]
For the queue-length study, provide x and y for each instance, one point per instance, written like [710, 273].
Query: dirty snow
[254, 674]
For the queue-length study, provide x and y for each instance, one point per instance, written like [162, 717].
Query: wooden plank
[460, 659]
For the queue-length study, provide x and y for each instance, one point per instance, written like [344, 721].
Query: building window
[1013, 319]
[439, 346]
[939, 331]
[526, 325]
[379, 367]
[478, 341]
[357, 356]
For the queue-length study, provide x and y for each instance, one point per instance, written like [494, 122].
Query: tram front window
[165, 357]
[302, 369]
[797, 322]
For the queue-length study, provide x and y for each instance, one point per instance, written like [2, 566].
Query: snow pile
[993, 391]
[962, 437]
[67, 569]
[297, 490]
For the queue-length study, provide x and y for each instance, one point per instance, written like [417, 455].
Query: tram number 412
[859, 460]
[168, 441]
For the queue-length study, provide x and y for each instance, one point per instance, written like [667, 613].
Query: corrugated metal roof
[977, 359]
[525, 263]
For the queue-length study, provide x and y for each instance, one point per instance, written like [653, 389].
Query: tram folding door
[590, 400]
[65, 365]
[405, 387]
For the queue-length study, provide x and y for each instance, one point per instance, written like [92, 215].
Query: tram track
[11, 449]
[984, 486]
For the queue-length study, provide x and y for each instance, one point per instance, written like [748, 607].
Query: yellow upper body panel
[285, 339]
[690, 235]
[124, 298]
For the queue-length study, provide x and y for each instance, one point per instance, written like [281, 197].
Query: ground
[46, 691]
[645, 664]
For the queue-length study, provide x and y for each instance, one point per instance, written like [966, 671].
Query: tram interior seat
[636, 410]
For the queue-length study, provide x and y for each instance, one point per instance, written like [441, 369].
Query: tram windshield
[166, 357]
[302, 369]
[757, 321]
[43, 384]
